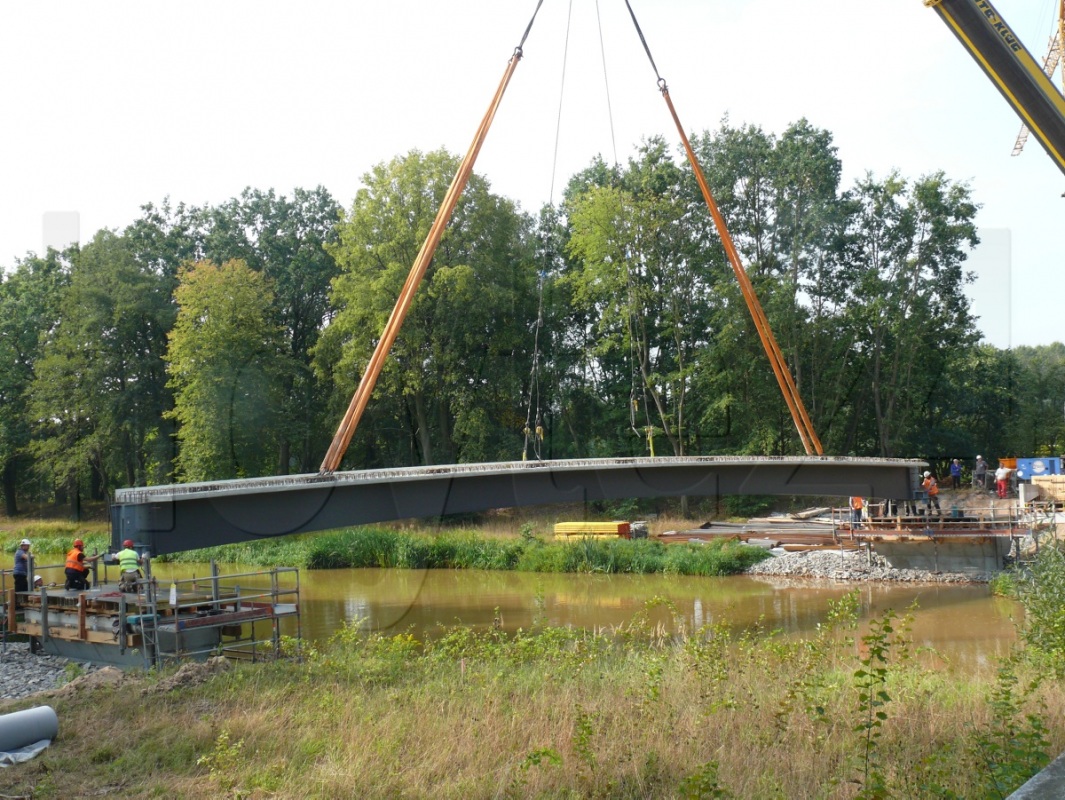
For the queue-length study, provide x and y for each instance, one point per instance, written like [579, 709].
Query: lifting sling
[346, 430]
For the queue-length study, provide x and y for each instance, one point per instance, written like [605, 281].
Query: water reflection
[964, 624]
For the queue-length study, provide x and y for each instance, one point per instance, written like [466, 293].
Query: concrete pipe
[23, 728]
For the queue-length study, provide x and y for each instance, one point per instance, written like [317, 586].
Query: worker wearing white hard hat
[932, 488]
[980, 473]
[22, 566]
[38, 581]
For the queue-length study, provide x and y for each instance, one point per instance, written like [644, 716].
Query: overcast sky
[108, 106]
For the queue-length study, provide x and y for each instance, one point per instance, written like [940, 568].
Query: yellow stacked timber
[1051, 487]
[596, 530]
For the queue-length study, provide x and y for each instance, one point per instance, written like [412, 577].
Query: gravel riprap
[23, 674]
[853, 565]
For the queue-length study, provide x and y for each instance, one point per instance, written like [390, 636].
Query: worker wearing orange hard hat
[76, 567]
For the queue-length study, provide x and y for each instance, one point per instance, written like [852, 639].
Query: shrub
[1042, 591]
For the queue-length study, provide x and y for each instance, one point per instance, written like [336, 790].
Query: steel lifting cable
[606, 84]
[535, 433]
[802, 421]
[534, 430]
[361, 398]
[636, 372]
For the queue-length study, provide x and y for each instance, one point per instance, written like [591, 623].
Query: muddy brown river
[964, 624]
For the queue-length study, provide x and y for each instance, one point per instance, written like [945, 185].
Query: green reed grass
[380, 547]
[55, 537]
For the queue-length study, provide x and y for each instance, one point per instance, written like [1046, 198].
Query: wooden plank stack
[1051, 487]
[597, 530]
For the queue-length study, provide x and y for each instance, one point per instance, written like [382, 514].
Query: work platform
[941, 544]
[973, 544]
[169, 519]
[233, 615]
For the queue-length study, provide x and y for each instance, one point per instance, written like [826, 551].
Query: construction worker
[980, 473]
[930, 486]
[1002, 480]
[76, 569]
[857, 504]
[129, 562]
[22, 566]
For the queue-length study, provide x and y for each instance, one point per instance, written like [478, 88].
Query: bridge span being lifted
[174, 518]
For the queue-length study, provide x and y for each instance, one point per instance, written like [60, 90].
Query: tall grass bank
[379, 547]
[633, 712]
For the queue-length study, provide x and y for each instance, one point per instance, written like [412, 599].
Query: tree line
[213, 342]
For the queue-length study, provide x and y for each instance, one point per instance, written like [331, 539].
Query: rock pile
[853, 565]
[23, 674]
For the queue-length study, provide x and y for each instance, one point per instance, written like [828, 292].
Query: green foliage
[811, 681]
[563, 712]
[1042, 591]
[223, 761]
[1036, 426]
[71, 671]
[1005, 583]
[870, 680]
[1014, 745]
[57, 538]
[284, 239]
[747, 505]
[224, 367]
[379, 547]
[642, 325]
[102, 367]
[715, 558]
[583, 743]
[528, 532]
[537, 758]
[638, 267]
[703, 784]
[452, 387]
[30, 297]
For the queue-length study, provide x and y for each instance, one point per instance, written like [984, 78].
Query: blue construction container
[1028, 468]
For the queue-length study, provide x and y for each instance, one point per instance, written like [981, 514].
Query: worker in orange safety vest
[76, 567]
[930, 486]
[857, 504]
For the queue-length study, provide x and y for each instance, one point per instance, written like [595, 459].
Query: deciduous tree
[225, 360]
[454, 381]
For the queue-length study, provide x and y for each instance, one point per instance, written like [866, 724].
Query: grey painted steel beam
[170, 519]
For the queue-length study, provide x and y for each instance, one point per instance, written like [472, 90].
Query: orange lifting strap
[803, 424]
[346, 430]
[359, 401]
[776, 359]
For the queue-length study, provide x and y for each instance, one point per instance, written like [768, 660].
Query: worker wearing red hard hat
[76, 568]
[129, 562]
